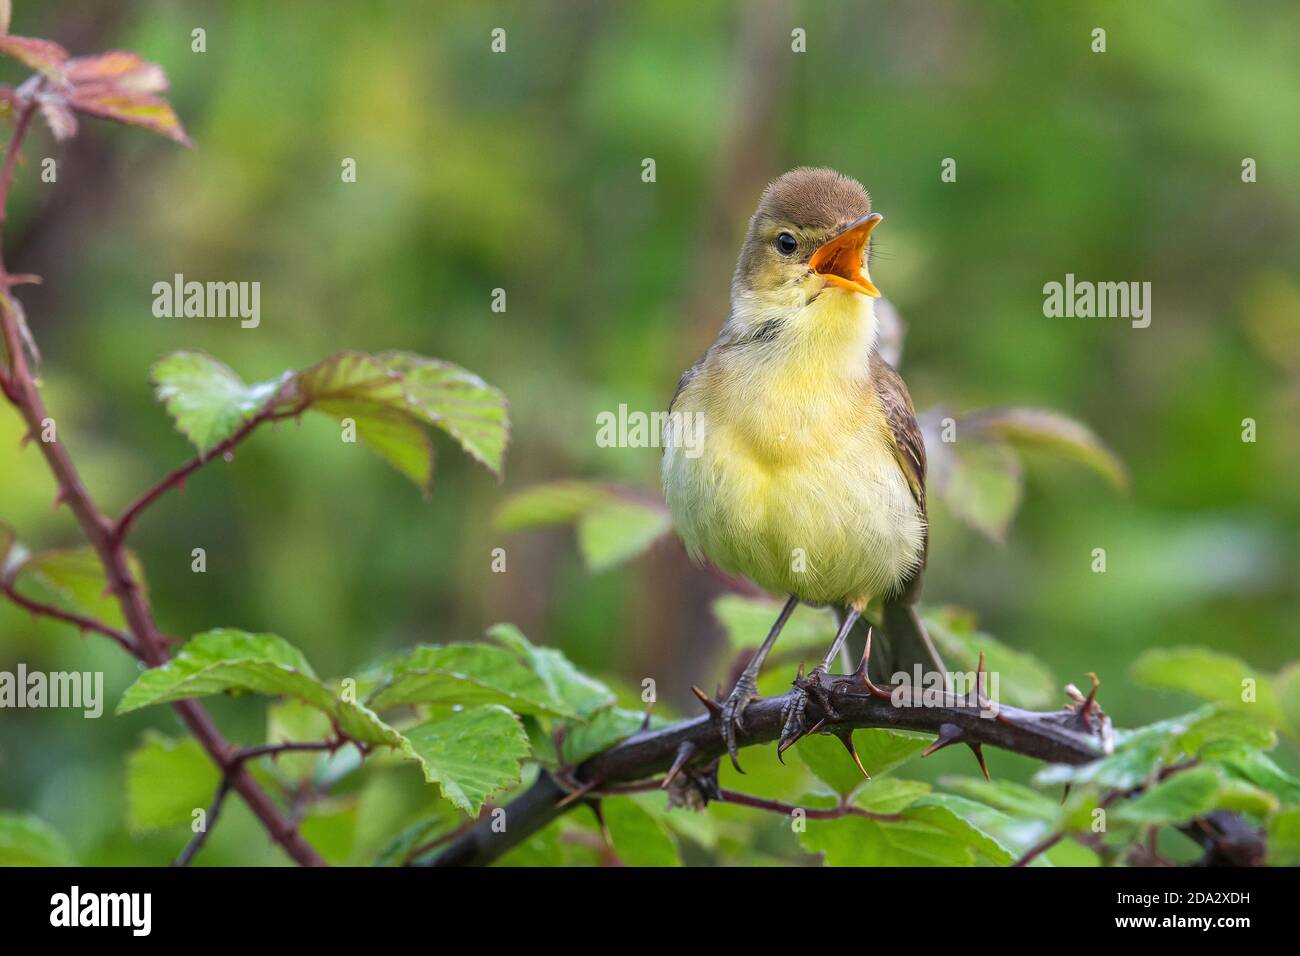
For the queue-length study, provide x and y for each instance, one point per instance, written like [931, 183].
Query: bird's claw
[794, 722]
[733, 713]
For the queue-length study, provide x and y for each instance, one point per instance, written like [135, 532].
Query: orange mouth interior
[839, 261]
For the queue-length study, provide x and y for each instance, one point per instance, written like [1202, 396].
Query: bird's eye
[786, 244]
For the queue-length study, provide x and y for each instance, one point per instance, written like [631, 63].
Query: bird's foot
[794, 716]
[733, 713]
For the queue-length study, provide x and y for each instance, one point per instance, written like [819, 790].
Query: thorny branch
[106, 538]
[688, 751]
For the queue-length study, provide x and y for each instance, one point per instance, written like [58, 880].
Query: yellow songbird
[808, 476]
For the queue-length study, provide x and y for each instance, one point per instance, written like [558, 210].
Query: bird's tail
[906, 645]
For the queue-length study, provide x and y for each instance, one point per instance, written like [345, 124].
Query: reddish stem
[150, 644]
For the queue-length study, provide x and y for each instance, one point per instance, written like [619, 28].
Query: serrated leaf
[458, 402]
[859, 841]
[224, 660]
[390, 433]
[638, 838]
[1140, 753]
[747, 621]
[1040, 429]
[393, 396]
[134, 109]
[27, 840]
[467, 675]
[44, 56]
[205, 398]
[470, 754]
[581, 694]
[166, 780]
[999, 836]
[1021, 679]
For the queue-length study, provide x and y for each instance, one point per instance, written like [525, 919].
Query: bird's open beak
[839, 261]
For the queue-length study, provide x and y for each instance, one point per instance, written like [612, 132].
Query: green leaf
[1013, 798]
[458, 402]
[391, 434]
[1014, 677]
[881, 750]
[1180, 797]
[619, 531]
[747, 621]
[467, 675]
[225, 660]
[1283, 838]
[603, 731]
[637, 837]
[1000, 837]
[1286, 688]
[26, 840]
[830, 762]
[984, 486]
[166, 780]
[890, 794]
[614, 524]
[228, 660]
[1140, 753]
[1259, 770]
[581, 694]
[1205, 674]
[205, 398]
[859, 841]
[294, 721]
[390, 398]
[73, 579]
[1040, 429]
[470, 755]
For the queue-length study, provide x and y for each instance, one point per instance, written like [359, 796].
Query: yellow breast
[795, 484]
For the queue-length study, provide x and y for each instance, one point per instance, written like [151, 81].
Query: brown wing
[909, 447]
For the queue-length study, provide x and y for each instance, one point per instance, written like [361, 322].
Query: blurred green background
[522, 171]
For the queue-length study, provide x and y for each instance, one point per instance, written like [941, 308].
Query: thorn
[978, 751]
[861, 673]
[711, 705]
[845, 736]
[1065, 794]
[578, 794]
[1091, 699]
[948, 734]
[604, 828]
[649, 710]
[685, 751]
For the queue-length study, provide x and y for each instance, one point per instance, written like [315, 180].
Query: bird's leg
[746, 688]
[794, 725]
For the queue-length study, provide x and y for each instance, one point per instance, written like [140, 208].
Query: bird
[807, 472]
